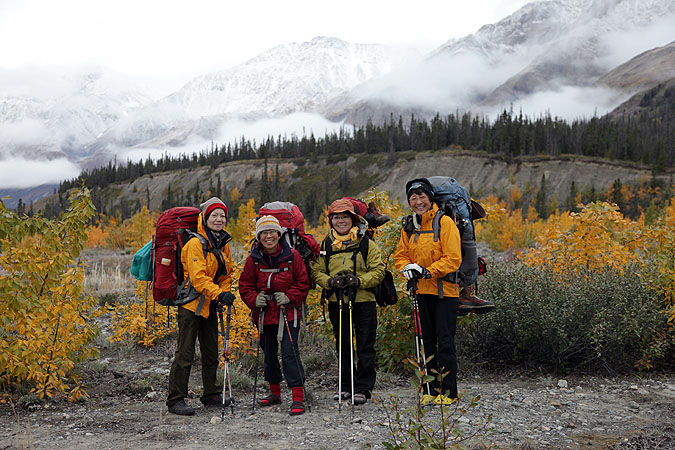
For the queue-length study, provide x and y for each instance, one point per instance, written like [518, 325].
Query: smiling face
[419, 203]
[342, 222]
[216, 220]
[269, 240]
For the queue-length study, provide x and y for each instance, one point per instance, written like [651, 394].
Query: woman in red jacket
[274, 282]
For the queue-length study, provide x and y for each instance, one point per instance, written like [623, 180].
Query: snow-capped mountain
[551, 48]
[531, 27]
[286, 79]
[586, 49]
[63, 114]
[289, 78]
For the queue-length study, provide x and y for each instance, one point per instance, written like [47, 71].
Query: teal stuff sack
[141, 266]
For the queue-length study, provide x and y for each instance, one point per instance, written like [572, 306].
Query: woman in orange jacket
[421, 256]
[207, 267]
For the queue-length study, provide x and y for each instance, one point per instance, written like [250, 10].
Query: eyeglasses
[269, 233]
[337, 217]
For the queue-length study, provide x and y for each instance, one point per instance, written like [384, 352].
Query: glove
[226, 298]
[413, 270]
[337, 282]
[261, 300]
[351, 280]
[281, 298]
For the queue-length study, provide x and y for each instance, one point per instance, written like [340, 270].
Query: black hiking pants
[190, 328]
[289, 353]
[438, 317]
[364, 316]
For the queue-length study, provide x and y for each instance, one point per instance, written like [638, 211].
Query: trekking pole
[225, 332]
[339, 294]
[419, 340]
[352, 298]
[261, 312]
[295, 354]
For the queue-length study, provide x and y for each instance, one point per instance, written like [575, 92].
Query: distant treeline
[511, 135]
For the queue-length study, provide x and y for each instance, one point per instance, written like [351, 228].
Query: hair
[418, 191]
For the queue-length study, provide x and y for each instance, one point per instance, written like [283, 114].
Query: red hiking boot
[298, 405]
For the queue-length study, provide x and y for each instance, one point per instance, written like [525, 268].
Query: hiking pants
[268, 343]
[438, 317]
[190, 328]
[364, 315]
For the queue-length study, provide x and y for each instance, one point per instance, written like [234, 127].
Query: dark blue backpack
[454, 200]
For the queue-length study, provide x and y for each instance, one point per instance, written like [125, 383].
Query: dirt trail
[124, 412]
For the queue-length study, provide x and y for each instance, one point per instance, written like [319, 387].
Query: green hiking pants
[190, 328]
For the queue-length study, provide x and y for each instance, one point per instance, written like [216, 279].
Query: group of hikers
[275, 282]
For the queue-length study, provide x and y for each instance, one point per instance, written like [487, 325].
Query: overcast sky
[181, 39]
[169, 42]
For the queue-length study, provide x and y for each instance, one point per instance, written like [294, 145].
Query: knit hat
[419, 183]
[266, 223]
[208, 206]
[342, 205]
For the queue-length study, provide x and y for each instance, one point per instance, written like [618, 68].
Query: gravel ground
[126, 410]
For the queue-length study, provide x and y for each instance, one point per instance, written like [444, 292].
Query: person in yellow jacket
[207, 266]
[421, 255]
[341, 269]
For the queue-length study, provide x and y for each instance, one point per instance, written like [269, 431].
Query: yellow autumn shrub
[599, 238]
[44, 313]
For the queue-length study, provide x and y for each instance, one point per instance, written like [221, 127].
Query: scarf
[341, 241]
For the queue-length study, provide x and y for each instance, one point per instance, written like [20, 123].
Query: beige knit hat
[267, 223]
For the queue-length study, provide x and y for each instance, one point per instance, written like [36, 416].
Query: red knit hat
[213, 203]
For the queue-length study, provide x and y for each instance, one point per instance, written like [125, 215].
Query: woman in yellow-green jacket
[350, 264]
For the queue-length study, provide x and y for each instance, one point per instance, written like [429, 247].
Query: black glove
[351, 280]
[226, 298]
[337, 282]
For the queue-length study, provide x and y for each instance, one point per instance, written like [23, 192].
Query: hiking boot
[270, 400]
[360, 399]
[181, 408]
[343, 395]
[444, 400]
[297, 408]
[374, 217]
[427, 399]
[469, 303]
[376, 221]
[215, 400]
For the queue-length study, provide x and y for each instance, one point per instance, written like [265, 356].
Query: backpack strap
[327, 250]
[218, 253]
[270, 271]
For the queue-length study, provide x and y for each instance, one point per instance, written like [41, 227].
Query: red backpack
[293, 224]
[174, 227]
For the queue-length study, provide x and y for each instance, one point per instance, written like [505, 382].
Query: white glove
[414, 270]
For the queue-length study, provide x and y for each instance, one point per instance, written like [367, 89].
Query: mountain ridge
[311, 184]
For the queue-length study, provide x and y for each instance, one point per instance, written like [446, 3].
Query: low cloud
[567, 102]
[624, 45]
[232, 131]
[25, 132]
[22, 173]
